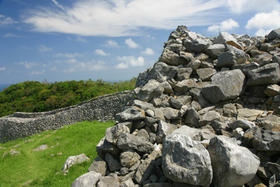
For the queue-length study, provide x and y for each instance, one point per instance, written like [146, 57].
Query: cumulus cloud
[225, 25]
[148, 51]
[2, 68]
[4, 20]
[130, 43]
[264, 22]
[130, 61]
[79, 66]
[43, 48]
[111, 43]
[122, 17]
[100, 52]
[241, 6]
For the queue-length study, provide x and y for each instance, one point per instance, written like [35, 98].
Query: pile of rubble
[206, 114]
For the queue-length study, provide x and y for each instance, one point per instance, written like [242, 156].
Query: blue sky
[57, 40]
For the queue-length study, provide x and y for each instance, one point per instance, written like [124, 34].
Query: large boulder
[107, 181]
[226, 38]
[87, 180]
[114, 132]
[185, 160]
[215, 50]
[267, 74]
[232, 164]
[274, 34]
[225, 85]
[152, 89]
[171, 58]
[196, 43]
[99, 166]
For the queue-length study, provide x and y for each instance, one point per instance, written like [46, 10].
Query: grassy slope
[42, 168]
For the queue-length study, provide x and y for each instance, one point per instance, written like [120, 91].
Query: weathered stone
[87, 180]
[131, 114]
[113, 163]
[184, 73]
[129, 158]
[128, 183]
[225, 85]
[226, 38]
[107, 181]
[194, 133]
[143, 134]
[130, 142]
[208, 117]
[150, 90]
[41, 148]
[275, 34]
[196, 43]
[73, 160]
[186, 161]
[229, 110]
[272, 90]
[99, 166]
[267, 74]
[179, 101]
[248, 114]
[104, 147]
[183, 86]
[230, 58]
[146, 167]
[205, 73]
[164, 129]
[114, 132]
[170, 113]
[171, 58]
[232, 164]
[191, 117]
[142, 104]
[158, 185]
[244, 124]
[270, 122]
[215, 50]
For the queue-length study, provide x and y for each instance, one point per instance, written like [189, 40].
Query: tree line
[34, 96]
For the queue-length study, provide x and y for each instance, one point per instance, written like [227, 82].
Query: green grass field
[43, 168]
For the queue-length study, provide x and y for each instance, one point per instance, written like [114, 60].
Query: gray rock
[164, 129]
[225, 85]
[183, 86]
[113, 163]
[274, 35]
[215, 50]
[226, 38]
[129, 158]
[267, 74]
[205, 73]
[191, 117]
[272, 90]
[170, 113]
[128, 183]
[146, 167]
[196, 43]
[158, 185]
[99, 166]
[114, 132]
[142, 104]
[179, 101]
[73, 160]
[232, 164]
[131, 114]
[185, 160]
[244, 124]
[208, 117]
[184, 73]
[108, 181]
[171, 58]
[41, 148]
[130, 142]
[87, 180]
[104, 147]
[194, 133]
[150, 90]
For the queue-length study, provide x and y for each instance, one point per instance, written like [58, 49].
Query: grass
[43, 168]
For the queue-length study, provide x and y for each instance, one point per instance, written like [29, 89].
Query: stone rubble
[206, 114]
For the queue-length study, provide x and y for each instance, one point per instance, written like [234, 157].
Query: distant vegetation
[43, 168]
[33, 96]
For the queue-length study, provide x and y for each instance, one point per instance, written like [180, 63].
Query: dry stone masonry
[206, 114]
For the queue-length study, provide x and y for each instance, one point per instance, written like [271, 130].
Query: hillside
[33, 96]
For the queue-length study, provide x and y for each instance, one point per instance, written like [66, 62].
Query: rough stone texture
[87, 180]
[107, 181]
[99, 166]
[267, 74]
[129, 158]
[186, 161]
[233, 165]
[274, 34]
[225, 85]
[73, 160]
[20, 125]
[215, 50]
[205, 73]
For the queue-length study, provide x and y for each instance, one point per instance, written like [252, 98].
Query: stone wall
[25, 124]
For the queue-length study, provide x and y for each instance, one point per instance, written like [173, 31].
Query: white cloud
[243, 6]
[148, 51]
[100, 52]
[38, 72]
[264, 22]
[130, 43]
[28, 65]
[4, 20]
[225, 25]
[11, 35]
[111, 43]
[2, 68]
[57, 4]
[123, 17]
[43, 48]
[130, 61]
[67, 55]
[78, 66]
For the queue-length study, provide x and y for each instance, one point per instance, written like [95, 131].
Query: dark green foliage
[33, 96]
